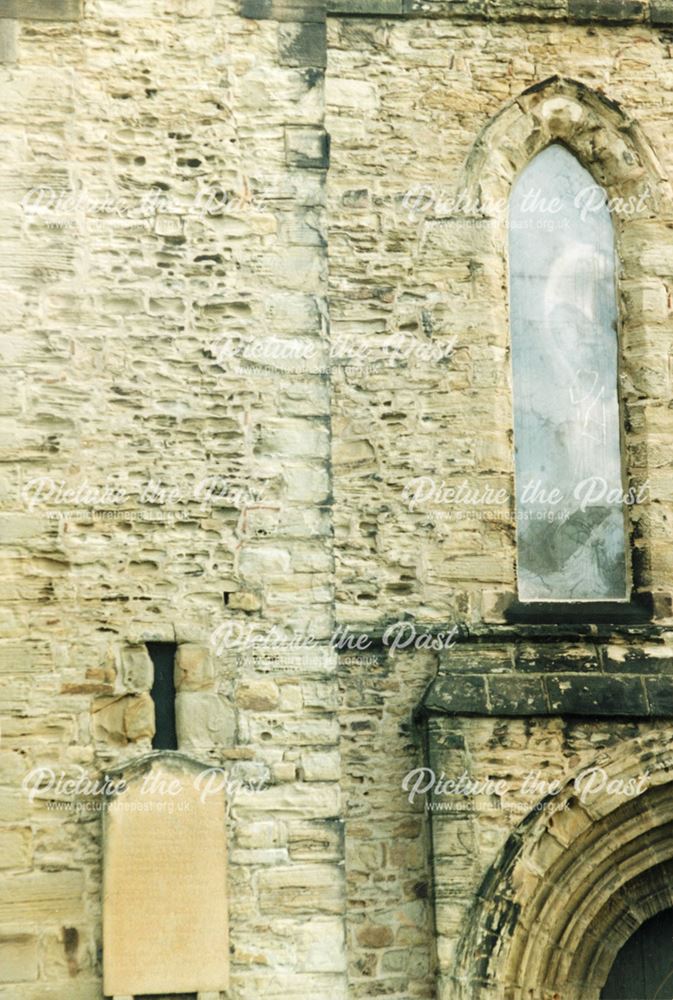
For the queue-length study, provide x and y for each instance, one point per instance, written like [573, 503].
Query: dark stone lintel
[595, 696]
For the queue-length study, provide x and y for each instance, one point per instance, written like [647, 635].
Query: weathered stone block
[312, 694]
[662, 604]
[42, 10]
[244, 600]
[191, 8]
[318, 840]
[321, 766]
[541, 9]
[9, 31]
[552, 657]
[660, 695]
[13, 808]
[301, 889]
[138, 633]
[123, 719]
[637, 658]
[41, 897]
[23, 527]
[137, 668]
[168, 225]
[15, 848]
[477, 658]
[257, 695]
[204, 721]
[661, 12]
[606, 10]
[307, 147]
[448, 8]
[458, 693]
[360, 95]
[373, 7]
[263, 835]
[320, 945]
[289, 801]
[284, 10]
[278, 731]
[254, 563]
[589, 695]
[18, 958]
[517, 695]
[303, 44]
[375, 935]
[285, 770]
[194, 667]
[257, 9]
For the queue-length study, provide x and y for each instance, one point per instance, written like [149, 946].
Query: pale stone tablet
[165, 908]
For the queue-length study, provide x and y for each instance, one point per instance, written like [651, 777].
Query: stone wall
[477, 837]
[420, 113]
[170, 322]
[182, 150]
[390, 921]
[406, 103]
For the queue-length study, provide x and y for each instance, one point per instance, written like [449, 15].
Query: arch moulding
[573, 883]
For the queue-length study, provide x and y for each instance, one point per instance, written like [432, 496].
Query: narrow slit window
[162, 655]
[570, 499]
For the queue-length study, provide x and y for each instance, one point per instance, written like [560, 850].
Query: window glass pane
[563, 319]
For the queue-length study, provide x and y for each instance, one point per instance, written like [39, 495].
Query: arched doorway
[572, 886]
[643, 968]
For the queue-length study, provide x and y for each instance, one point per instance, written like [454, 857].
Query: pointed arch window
[570, 498]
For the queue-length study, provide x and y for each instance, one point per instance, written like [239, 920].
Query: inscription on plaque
[165, 907]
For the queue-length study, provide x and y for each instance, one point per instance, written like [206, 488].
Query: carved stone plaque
[165, 907]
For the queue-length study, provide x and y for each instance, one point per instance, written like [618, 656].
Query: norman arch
[571, 886]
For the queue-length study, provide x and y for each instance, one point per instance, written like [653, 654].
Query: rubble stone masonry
[240, 294]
